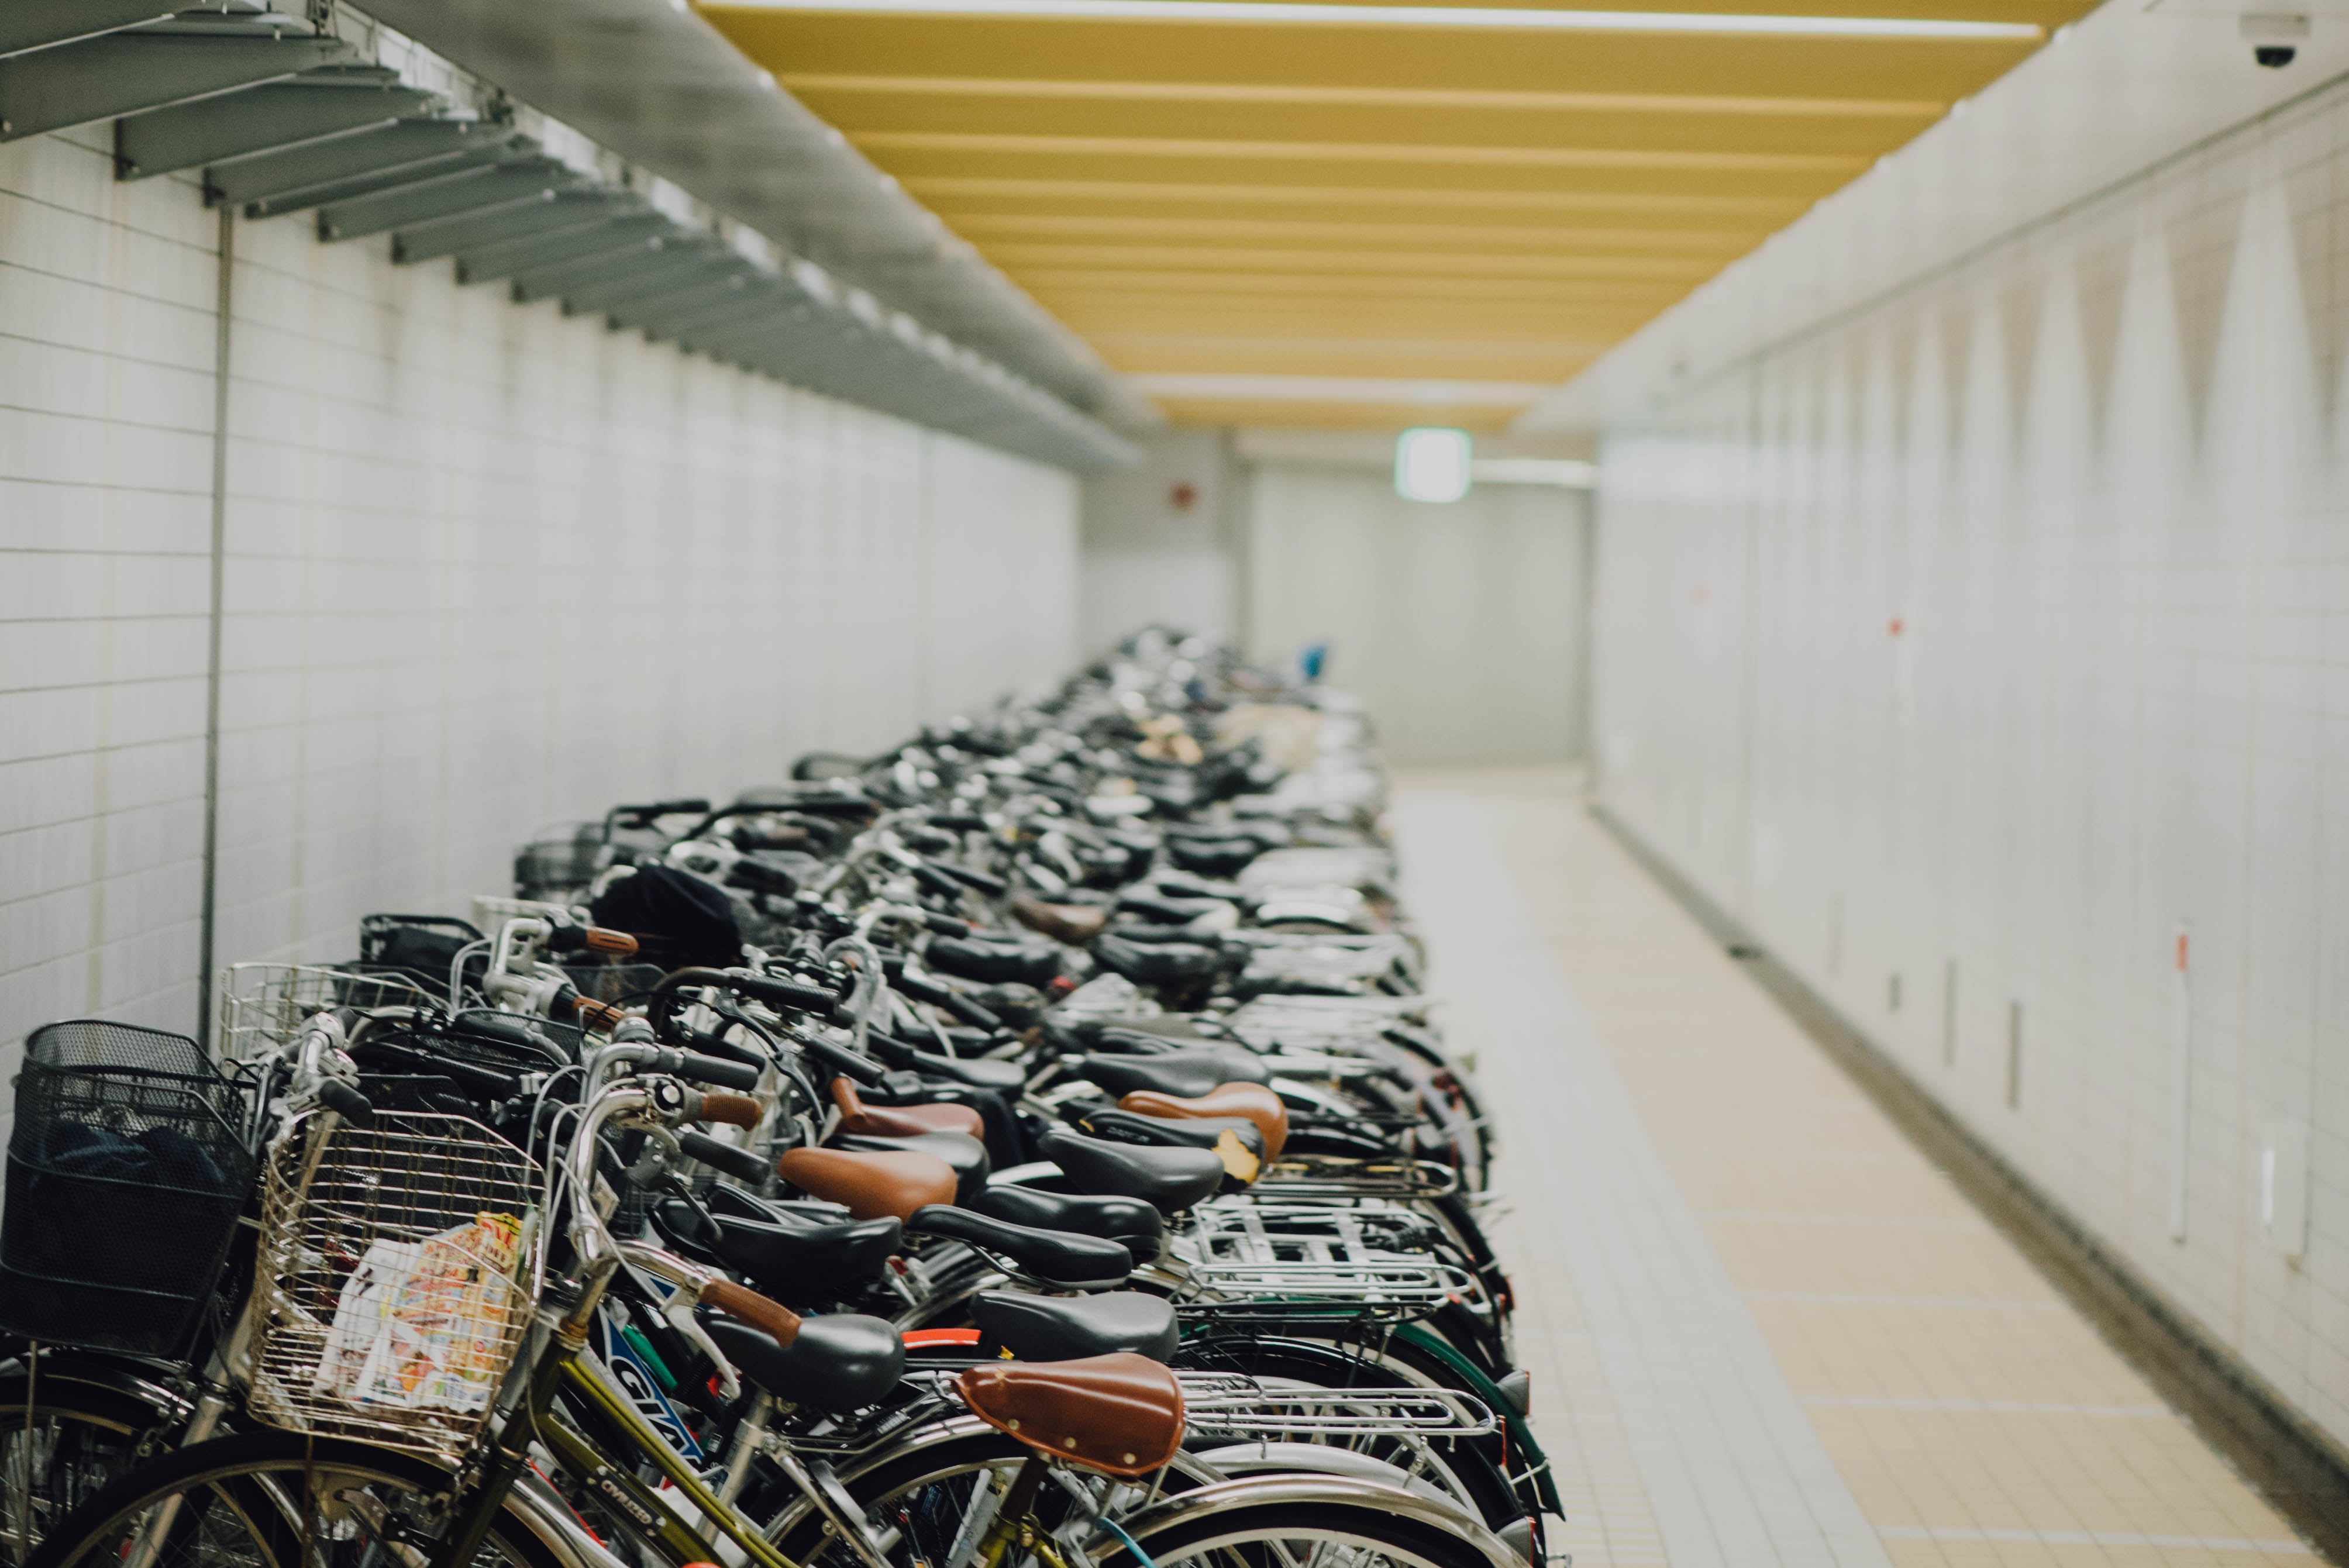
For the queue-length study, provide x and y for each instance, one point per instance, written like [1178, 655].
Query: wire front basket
[393, 1279]
[264, 1005]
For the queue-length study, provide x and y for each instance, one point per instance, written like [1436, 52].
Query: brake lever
[676, 1311]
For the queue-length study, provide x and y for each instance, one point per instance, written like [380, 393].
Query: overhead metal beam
[468, 191]
[491, 262]
[657, 251]
[130, 72]
[742, 296]
[692, 272]
[332, 101]
[561, 212]
[342, 168]
[29, 25]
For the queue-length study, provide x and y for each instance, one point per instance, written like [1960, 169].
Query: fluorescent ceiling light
[1432, 465]
[1290, 12]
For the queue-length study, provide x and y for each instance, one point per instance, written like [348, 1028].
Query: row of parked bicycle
[1029, 1144]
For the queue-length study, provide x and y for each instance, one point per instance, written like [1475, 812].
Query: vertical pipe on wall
[204, 956]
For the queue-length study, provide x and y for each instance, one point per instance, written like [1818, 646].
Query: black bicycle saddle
[1134, 1224]
[1169, 1180]
[1063, 1328]
[839, 1361]
[791, 1259]
[1062, 1259]
[1185, 1075]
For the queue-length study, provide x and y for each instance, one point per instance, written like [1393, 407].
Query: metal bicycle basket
[127, 1167]
[394, 1279]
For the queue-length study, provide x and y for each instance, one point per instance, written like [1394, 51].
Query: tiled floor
[1763, 1329]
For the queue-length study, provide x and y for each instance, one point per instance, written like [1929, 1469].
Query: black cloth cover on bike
[690, 922]
[840, 1362]
[1186, 1075]
[1062, 1259]
[1062, 1329]
[1170, 1180]
[1134, 1224]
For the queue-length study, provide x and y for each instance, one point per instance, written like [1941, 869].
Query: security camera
[2275, 36]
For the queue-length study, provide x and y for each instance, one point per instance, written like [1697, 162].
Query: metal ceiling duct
[657, 85]
[281, 121]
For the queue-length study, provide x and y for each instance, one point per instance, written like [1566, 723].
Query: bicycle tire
[62, 1443]
[232, 1514]
[1251, 1537]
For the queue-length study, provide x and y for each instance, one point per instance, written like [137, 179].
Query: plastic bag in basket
[421, 1326]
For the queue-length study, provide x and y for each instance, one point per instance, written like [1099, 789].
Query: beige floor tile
[1974, 1417]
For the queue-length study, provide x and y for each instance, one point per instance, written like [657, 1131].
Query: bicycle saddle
[1157, 962]
[1057, 1258]
[1169, 1180]
[1075, 923]
[1179, 1075]
[1120, 1414]
[792, 1260]
[1063, 1328]
[872, 1186]
[1168, 910]
[995, 960]
[838, 1363]
[965, 1155]
[1252, 1101]
[1234, 1140]
[862, 1120]
[1129, 1221]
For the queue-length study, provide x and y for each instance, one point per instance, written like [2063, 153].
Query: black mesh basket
[613, 982]
[126, 1170]
[559, 864]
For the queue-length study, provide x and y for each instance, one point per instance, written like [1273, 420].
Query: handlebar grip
[739, 1164]
[717, 1070]
[936, 882]
[794, 994]
[747, 1306]
[345, 1101]
[733, 1110]
[697, 804]
[947, 926]
[718, 1046]
[595, 1017]
[604, 939]
[958, 822]
[844, 1062]
[923, 989]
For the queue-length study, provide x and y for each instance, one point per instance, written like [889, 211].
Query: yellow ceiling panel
[1310, 414]
[1366, 201]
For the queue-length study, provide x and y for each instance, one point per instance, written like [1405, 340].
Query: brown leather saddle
[1248, 1101]
[872, 1186]
[859, 1120]
[1075, 923]
[1120, 1414]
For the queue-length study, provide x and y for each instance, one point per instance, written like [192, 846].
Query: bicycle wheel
[60, 1443]
[1299, 1535]
[918, 1505]
[274, 1499]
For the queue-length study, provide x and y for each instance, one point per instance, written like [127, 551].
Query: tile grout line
[1732, 1464]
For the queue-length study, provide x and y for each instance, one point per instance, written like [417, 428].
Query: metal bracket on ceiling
[346, 167]
[514, 258]
[658, 252]
[29, 25]
[562, 213]
[470, 191]
[332, 101]
[693, 272]
[128, 72]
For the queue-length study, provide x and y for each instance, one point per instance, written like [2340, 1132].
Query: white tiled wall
[1463, 625]
[487, 568]
[1977, 643]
